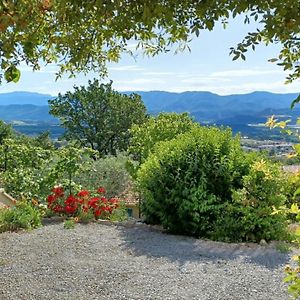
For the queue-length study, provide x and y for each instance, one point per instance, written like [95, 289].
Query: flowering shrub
[82, 205]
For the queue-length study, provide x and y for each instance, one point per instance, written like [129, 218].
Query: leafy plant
[69, 224]
[249, 215]
[120, 213]
[29, 171]
[110, 172]
[293, 188]
[189, 182]
[21, 216]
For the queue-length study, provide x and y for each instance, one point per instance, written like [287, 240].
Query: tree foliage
[84, 35]
[98, 116]
[164, 127]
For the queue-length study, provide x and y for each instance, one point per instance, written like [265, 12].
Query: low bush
[249, 215]
[293, 188]
[197, 184]
[110, 172]
[69, 224]
[21, 216]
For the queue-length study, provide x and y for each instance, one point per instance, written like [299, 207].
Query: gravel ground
[97, 261]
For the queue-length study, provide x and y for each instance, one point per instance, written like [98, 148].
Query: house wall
[5, 199]
[133, 211]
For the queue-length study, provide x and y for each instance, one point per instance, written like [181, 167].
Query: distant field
[259, 133]
[35, 129]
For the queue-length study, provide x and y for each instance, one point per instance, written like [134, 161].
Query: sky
[208, 67]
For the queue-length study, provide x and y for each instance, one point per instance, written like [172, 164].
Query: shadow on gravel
[181, 249]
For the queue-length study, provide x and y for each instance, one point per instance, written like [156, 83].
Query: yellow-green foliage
[164, 127]
[293, 188]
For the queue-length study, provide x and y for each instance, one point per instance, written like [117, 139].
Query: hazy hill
[26, 112]
[204, 106]
[24, 98]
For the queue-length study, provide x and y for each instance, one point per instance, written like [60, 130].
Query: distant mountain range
[204, 106]
[24, 98]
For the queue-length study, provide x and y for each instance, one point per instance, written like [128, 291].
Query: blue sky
[208, 67]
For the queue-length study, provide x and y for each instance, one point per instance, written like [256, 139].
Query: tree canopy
[164, 127]
[84, 35]
[98, 116]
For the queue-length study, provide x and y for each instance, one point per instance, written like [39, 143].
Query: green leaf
[12, 74]
[297, 100]
[294, 208]
[273, 60]
[297, 148]
[297, 192]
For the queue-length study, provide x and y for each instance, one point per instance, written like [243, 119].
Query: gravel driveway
[97, 261]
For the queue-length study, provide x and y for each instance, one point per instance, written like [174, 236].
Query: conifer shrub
[196, 182]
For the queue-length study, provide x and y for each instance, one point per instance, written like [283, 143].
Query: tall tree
[84, 35]
[98, 116]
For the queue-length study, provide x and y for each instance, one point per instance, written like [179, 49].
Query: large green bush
[188, 185]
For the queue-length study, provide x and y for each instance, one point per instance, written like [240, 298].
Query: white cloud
[204, 80]
[242, 88]
[128, 68]
[245, 73]
[140, 84]
[159, 73]
[140, 81]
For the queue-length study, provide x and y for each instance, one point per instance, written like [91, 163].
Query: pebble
[97, 261]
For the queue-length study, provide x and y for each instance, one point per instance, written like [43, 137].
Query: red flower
[97, 213]
[106, 208]
[114, 202]
[103, 200]
[80, 201]
[57, 208]
[83, 193]
[70, 200]
[58, 191]
[51, 198]
[70, 209]
[93, 202]
[101, 190]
